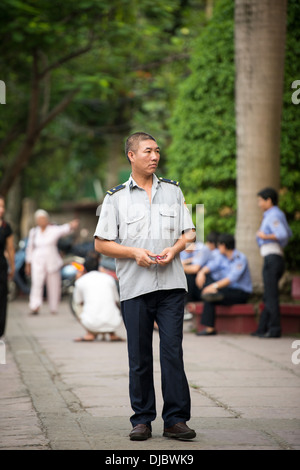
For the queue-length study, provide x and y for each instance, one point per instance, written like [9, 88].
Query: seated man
[233, 287]
[97, 293]
[193, 259]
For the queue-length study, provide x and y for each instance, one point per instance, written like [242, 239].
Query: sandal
[84, 340]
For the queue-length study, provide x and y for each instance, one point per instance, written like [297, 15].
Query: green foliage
[202, 153]
[127, 81]
[119, 77]
[290, 142]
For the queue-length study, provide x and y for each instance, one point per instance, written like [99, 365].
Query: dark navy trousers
[3, 294]
[166, 307]
[273, 270]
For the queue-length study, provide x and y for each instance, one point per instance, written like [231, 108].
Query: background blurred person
[233, 287]
[6, 251]
[193, 259]
[98, 304]
[43, 261]
[272, 237]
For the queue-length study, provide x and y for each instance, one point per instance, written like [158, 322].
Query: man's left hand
[210, 289]
[166, 256]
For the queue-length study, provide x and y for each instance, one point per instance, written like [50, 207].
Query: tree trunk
[260, 29]
[14, 208]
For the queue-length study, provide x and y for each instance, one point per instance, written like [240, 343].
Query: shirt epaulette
[166, 180]
[115, 189]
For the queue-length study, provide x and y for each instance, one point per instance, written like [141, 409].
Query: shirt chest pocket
[136, 226]
[169, 222]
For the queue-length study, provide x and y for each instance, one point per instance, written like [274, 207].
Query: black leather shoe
[140, 432]
[270, 335]
[180, 431]
[206, 333]
[257, 333]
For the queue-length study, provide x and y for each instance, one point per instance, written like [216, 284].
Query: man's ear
[130, 155]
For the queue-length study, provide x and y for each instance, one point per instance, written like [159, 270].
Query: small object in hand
[160, 257]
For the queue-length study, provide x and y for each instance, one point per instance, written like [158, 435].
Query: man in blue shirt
[272, 237]
[233, 287]
[194, 260]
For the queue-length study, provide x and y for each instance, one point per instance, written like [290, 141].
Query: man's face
[264, 204]
[222, 248]
[145, 159]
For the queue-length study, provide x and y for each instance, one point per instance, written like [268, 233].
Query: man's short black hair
[269, 193]
[213, 237]
[228, 240]
[132, 142]
[91, 263]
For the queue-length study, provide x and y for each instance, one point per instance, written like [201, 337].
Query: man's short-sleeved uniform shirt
[236, 269]
[128, 218]
[274, 221]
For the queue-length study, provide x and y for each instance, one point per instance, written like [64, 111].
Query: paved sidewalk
[59, 395]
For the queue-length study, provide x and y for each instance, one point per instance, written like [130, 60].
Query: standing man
[272, 237]
[145, 224]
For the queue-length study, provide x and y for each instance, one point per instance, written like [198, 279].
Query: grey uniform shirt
[128, 218]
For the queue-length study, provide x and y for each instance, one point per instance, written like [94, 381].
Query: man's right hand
[144, 257]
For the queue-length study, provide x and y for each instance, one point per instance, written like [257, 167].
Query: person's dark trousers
[231, 297]
[3, 296]
[167, 309]
[194, 293]
[273, 269]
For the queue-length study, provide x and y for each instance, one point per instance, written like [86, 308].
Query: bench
[296, 288]
[237, 319]
[290, 318]
[243, 318]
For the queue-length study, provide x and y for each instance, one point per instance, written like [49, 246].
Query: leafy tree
[42, 44]
[83, 71]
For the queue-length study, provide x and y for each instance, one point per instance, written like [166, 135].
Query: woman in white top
[43, 261]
